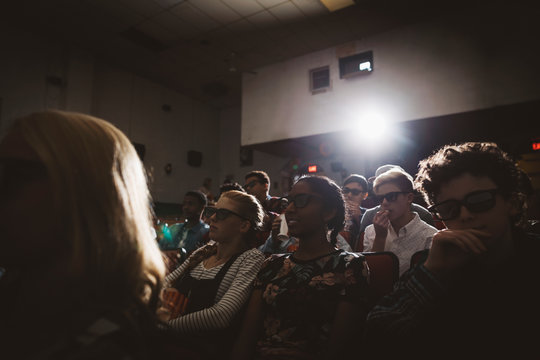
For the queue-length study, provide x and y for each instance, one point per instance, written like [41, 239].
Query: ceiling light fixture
[334, 5]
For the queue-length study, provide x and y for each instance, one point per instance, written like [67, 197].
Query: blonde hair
[101, 196]
[395, 176]
[248, 206]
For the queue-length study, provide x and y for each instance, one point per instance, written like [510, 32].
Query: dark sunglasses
[352, 191]
[221, 214]
[251, 184]
[301, 200]
[391, 196]
[477, 201]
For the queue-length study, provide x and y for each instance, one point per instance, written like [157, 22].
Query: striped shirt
[232, 294]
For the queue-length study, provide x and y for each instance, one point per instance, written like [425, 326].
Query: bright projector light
[372, 128]
[366, 132]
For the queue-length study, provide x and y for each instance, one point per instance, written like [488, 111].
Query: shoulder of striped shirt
[251, 255]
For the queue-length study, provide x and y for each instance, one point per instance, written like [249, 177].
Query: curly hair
[477, 159]
[332, 198]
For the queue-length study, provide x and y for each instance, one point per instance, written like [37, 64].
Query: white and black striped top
[233, 292]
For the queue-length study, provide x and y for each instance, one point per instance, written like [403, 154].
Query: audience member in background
[355, 190]
[367, 218]
[210, 288]
[206, 189]
[230, 186]
[258, 185]
[475, 293]
[313, 302]
[189, 235]
[369, 202]
[532, 201]
[82, 269]
[395, 227]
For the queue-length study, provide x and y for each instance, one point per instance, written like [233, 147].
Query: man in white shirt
[395, 227]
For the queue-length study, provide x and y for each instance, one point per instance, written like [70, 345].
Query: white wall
[229, 153]
[132, 103]
[420, 71]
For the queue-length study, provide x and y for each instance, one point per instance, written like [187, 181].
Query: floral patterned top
[300, 299]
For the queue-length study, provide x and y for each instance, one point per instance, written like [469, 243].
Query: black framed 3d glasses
[391, 196]
[476, 202]
[355, 192]
[221, 214]
[301, 200]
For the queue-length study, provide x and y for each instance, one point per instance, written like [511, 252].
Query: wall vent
[319, 80]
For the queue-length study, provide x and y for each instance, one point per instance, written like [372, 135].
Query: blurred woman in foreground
[82, 269]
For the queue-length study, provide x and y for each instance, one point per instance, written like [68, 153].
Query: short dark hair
[230, 186]
[357, 179]
[199, 195]
[260, 175]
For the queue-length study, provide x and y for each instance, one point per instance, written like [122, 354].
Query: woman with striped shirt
[210, 288]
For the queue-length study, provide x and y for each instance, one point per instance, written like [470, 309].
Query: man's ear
[245, 226]
[410, 198]
[364, 197]
[266, 187]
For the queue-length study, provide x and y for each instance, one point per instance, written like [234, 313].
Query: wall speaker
[194, 158]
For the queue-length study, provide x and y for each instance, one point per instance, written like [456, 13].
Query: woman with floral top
[307, 304]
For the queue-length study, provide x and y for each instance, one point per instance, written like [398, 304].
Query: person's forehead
[226, 203]
[462, 185]
[191, 199]
[252, 178]
[301, 187]
[354, 185]
[386, 188]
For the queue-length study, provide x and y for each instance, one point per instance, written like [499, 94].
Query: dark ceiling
[202, 47]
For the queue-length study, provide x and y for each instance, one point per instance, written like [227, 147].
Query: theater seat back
[384, 273]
